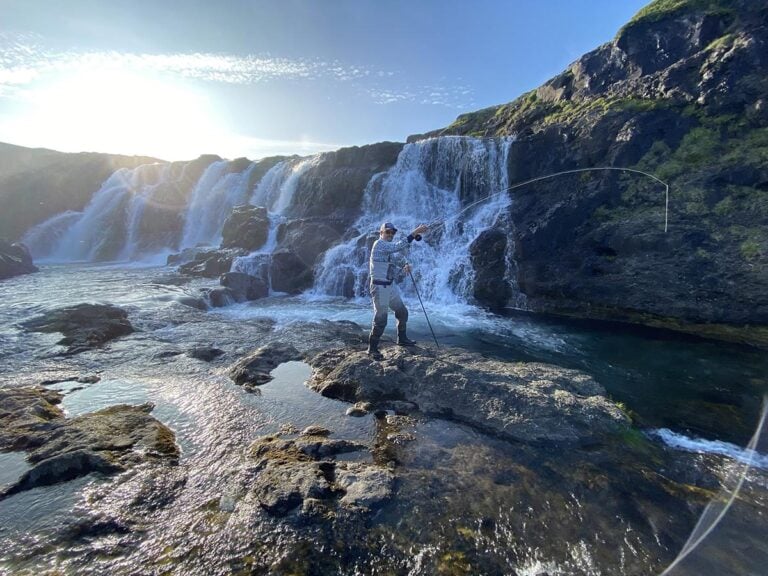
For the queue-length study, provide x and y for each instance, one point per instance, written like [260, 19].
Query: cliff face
[36, 184]
[681, 93]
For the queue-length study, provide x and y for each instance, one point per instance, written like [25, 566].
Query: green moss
[751, 250]
[454, 564]
[722, 42]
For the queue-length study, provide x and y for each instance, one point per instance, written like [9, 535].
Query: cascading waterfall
[105, 229]
[275, 191]
[143, 194]
[113, 226]
[213, 198]
[430, 180]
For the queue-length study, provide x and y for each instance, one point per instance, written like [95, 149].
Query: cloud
[24, 59]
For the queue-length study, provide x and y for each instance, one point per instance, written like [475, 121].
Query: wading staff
[415, 287]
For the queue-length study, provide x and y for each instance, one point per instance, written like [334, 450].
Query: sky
[175, 79]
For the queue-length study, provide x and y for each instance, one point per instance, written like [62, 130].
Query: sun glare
[120, 112]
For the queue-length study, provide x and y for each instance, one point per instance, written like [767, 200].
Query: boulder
[85, 326]
[60, 449]
[15, 260]
[526, 402]
[244, 286]
[308, 239]
[254, 369]
[221, 296]
[246, 227]
[289, 273]
[205, 353]
[211, 263]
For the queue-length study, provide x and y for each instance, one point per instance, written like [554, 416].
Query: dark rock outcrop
[289, 273]
[301, 243]
[60, 449]
[254, 369]
[211, 263]
[244, 286]
[527, 402]
[333, 187]
[205, 353]
[488, 255]
[247, 228]
[15, 260]
[84, 326]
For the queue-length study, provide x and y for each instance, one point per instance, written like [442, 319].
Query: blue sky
[177, 79]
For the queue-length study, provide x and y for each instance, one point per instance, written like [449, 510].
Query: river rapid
[465, 502]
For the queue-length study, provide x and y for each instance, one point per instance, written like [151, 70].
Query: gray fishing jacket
[387, 259]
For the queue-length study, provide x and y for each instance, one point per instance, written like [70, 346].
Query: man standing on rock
[387, 259]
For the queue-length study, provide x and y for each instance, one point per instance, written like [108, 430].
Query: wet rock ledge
[527, 402]
[59, 449]
[302, 474]
[84, 326]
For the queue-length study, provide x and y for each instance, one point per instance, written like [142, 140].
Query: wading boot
[373, 348]
[403, 340]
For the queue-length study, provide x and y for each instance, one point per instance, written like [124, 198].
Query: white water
[212, 200]
[701, 446]
[113, 215]
[110, 227]
[275, 191]
[430, 180]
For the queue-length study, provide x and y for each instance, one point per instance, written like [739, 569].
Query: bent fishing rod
[438, 223]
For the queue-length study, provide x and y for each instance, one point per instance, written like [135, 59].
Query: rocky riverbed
[200, 442]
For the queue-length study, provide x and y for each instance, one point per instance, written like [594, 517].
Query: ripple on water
[12, 466]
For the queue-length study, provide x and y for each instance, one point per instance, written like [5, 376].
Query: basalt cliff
[681, 93]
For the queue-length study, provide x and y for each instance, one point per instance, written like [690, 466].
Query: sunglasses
[389, 232]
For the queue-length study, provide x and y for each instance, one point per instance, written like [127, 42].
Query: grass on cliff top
[660, 9]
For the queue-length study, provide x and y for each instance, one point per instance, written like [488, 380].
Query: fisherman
[388, 265]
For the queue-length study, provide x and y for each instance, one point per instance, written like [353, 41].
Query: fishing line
[438, 223]
[705, 526]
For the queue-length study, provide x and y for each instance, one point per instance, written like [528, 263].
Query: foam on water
[701, 446]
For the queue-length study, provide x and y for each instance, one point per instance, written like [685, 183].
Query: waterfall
[275, 191]
[43, 239]
[212, 200]
[141, 212]
[431, 179]
[106, 228]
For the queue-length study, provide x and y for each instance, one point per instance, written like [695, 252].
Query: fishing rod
[415, 287]
[438, 223]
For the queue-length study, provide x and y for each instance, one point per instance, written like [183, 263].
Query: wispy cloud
[24, 59]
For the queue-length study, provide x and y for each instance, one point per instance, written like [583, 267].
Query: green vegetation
[660, 9]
